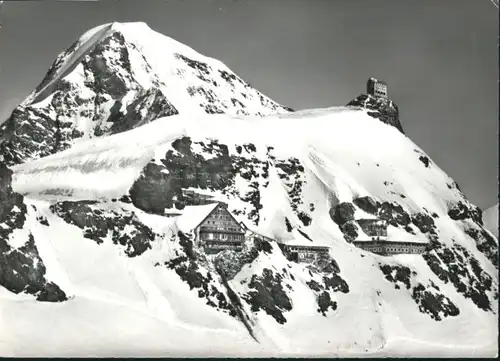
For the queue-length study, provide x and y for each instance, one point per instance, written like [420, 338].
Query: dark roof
[389, 243]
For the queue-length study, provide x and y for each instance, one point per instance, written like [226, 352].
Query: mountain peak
[118, 76]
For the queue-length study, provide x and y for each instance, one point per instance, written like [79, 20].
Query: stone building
[373, 227]
[388, 248]
[304, 253]
[377, 241]
[376, 88]
[213, 226]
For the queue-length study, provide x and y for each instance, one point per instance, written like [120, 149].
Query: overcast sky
[439, 59]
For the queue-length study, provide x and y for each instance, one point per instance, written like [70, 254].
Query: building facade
[304, 254]
[376, 88]
[219, 231]
[386, 248]
[375, 228]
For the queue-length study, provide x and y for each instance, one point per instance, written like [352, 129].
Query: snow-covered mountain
[490, 219]
[116, 77]
[95, 216]
[90, 264]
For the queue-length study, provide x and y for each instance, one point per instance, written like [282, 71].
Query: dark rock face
[161, 185]
[379, 108]
[8, 199]
[424, 222]
[32, 133]
[424, 160]
[343, 213]
[315, 286]
[367, 204]
[398, 274]
[325, 302]
[21, 269]
[394, 214]
[429, 299]
[453, 265]
[436, 305]
[485, 243]
[188, 264]
[155, 190]
[330, 283]
[336, 283]
[96, 224]
[51, 293]
[350, 231]
[45, 136]
[460, 211]
[149, 105]
[195, 269]
[267, 293]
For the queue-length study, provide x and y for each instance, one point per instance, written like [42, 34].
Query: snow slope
[287, 176]
[116, 77]
[349, 161]
[490, 218]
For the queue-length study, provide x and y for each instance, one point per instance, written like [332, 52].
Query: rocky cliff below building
[379, 108]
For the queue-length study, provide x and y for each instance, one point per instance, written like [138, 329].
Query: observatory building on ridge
[376, 88]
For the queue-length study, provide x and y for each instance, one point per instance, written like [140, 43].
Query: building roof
[377, 81]
[384, 242]
[314, 246]
[192, 216]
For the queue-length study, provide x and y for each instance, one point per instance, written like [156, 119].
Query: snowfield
[126, 306]
[327, 139]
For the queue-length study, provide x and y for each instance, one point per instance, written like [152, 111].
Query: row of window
[301, 250]
[224, 246]
[307, 256]
[393, 249]
[222, 236]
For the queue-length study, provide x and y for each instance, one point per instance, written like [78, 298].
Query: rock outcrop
[379, 108]
[22, 270]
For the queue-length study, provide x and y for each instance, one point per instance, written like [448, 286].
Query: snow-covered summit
[116, 77]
